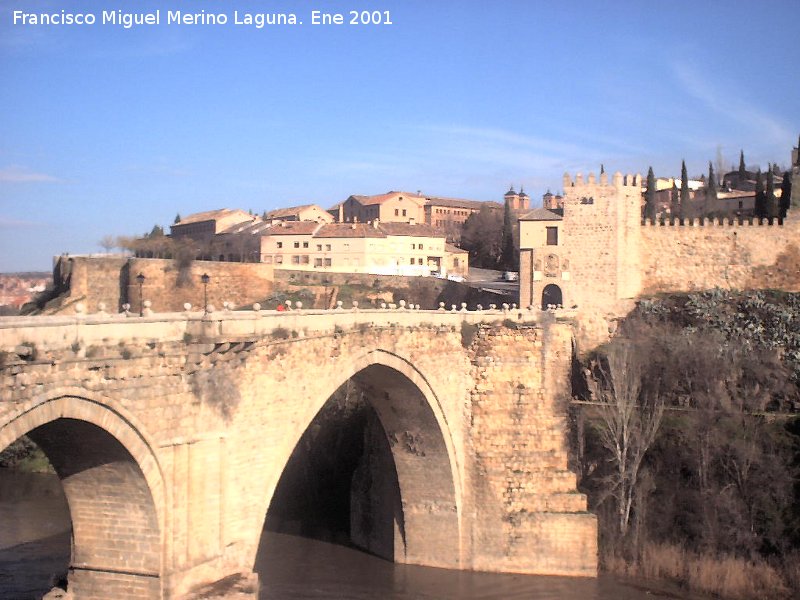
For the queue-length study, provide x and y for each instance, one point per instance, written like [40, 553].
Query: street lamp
[205, 279]
[140, 279]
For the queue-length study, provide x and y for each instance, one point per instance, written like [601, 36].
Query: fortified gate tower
[587, 256]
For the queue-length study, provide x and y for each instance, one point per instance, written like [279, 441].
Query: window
[317, 262]
[327, 247]
[411, 260]
[297, 244]
[419, 261]
[328, 262]
[295, 259]
[552, 236]
[305, 244]
[319, 247]
[455, 263]
[396, 212]
[404, 212]
[268, 259]
[413, 246]
[278, 259]
[280, 244]
[304, 259]
[420, 246]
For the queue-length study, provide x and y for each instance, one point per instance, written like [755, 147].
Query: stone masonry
[170, 433]
[605, 256]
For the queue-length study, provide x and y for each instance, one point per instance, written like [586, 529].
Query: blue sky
[108, 131]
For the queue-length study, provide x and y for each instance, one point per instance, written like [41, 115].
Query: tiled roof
[288, 212]
[211, 215]
[411, 229]
[460, 203]
[381, 198]
[293, 228]
[541, 214]
[454, 249]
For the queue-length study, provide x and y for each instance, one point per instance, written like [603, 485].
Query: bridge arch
[114, 488]
[414, 428]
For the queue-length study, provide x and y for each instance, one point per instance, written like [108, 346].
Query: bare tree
[108, 243]
[630, 417]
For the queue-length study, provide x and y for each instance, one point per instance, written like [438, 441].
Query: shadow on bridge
[370, 471]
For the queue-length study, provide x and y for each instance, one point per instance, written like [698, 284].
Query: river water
[35, 548]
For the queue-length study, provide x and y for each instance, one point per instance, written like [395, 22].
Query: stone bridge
[170, 433]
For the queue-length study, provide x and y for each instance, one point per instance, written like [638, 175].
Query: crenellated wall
[607, 256]
[695, 256]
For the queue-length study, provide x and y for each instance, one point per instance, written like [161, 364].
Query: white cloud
[19, 174]
[730, 104]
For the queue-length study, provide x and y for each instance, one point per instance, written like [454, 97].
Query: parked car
[510, 276]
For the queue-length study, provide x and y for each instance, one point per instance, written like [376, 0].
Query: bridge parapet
[58, 332]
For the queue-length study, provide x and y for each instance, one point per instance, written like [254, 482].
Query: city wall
[732, 256]
[111, 281]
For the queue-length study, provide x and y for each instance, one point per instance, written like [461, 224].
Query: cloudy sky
[108, 131]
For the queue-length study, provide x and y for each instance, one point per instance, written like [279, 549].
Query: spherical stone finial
[355, 304]
[298, 305]
[383, 305]
[187, 306]
[256, 306]
[101, 308]
[339, 304]
[402, 303]
[210, 308]
[479, 307]
[452, 307]
[441, 305]
[80, 308]
[126, 308]
[463, 306]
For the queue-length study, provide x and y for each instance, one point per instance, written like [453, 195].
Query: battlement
[618, 180]
[728, 222]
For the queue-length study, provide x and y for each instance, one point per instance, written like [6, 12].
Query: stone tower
[602, 229]
[587, 258]
[512, 198]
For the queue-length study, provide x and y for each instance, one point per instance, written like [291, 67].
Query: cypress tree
[742, 169]
[684, 192]
[771, 204]
[786, 194]
[711, 188]
[759, 208]
[509, 257]
[674, 204]
[650, 196]
[177, 218]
